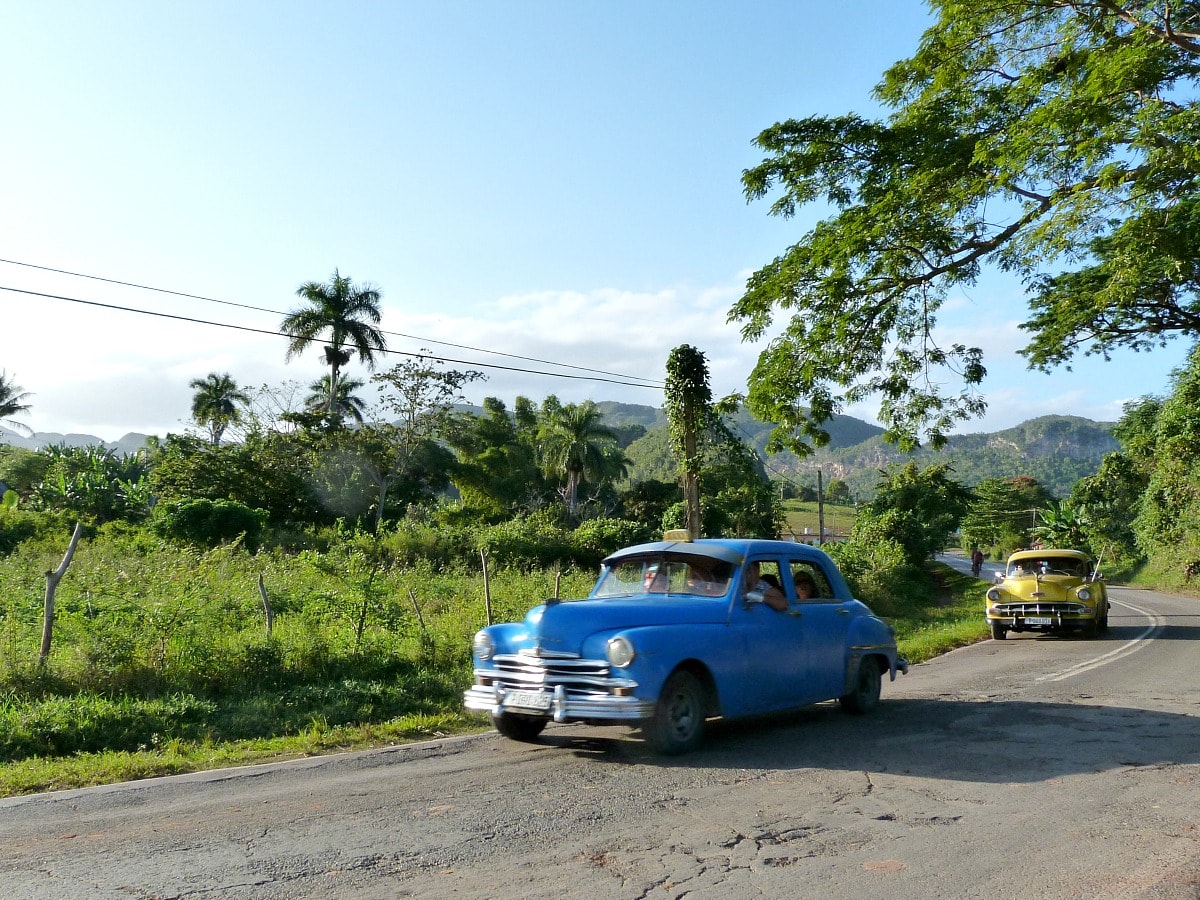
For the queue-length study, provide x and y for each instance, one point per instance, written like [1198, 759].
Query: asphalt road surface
[1036, 767]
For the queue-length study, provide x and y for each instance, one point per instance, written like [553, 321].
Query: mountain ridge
[1056, 450]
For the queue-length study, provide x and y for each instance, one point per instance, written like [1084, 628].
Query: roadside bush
[596, 538]
[210, 522]
[879, 574]
[526, 544]
[18, 525]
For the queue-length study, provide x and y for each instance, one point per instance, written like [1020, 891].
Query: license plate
[1038, 620]
[538, 700]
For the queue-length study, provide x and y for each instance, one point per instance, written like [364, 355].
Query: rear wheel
[519, 728]
[678, 723]
[999, 632]
[864, 696]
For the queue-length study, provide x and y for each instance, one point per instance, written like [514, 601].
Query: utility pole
[820, 510]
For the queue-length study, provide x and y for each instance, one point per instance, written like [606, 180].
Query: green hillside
[1055, 450]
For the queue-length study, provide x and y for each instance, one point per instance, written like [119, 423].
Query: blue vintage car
[679, 631]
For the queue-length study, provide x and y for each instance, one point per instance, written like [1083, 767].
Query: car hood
[1048, 587]
[563, 627]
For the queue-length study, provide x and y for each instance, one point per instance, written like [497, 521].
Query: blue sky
[552, 180]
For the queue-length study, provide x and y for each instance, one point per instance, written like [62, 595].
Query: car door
[824, 623]
[772, 670]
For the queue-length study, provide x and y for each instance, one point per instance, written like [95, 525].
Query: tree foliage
[1168, 520]
[1003, 512]
[690, 414]
[1054, 139]
[346, 316]
[217, 403]
[12, 402]
[497, 471]
[916, 508]
[94, 483]
[262, 472]
[347, 404]
[577, 446]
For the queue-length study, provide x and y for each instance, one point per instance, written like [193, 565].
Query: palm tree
[11, 397]
[346, 402]
[346, 316]
[215, 404]
[577, 445]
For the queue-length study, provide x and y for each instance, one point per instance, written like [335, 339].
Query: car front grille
[1042, 609]
[523, 671]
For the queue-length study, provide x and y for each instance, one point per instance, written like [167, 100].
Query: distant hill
[129, 444]
[1055, 450]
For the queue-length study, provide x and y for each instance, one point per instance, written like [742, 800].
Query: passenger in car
[806, 587]
[758, 590]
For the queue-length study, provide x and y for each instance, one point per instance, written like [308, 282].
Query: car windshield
[658, 575]
[1053, 565]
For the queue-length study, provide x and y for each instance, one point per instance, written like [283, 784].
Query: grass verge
[334, 718]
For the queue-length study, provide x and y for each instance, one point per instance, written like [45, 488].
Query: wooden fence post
[487, 587]
[52, 580]
[270, 613]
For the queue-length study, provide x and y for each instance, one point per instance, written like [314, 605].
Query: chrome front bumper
[564, 706]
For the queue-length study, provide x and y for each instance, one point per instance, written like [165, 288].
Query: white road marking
[1157, 623]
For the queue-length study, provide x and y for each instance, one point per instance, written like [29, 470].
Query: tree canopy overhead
[1056, 140]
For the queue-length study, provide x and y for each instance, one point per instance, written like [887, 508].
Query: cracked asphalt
[1032, 767]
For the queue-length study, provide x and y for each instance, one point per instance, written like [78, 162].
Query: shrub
[526, 544]
[17, 525]
[596, 538]
[210, 522]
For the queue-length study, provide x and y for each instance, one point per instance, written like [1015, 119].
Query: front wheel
[864, 696]
[519, 728]
[999, 632]
[678, 723]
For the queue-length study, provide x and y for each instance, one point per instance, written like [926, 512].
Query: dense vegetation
[281, 583]
[246, 600]
[1051, 140]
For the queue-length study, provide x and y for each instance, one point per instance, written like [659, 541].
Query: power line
[445, 359]
[548, 362]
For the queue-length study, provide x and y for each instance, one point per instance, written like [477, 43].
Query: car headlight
[1083, 594]
[993, 594]
[620, 652]
[483, 646]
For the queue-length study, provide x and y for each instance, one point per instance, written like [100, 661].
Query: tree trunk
[52, 580]
[691, 483]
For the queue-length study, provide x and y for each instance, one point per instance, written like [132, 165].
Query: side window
[768, 570]
[810, 581]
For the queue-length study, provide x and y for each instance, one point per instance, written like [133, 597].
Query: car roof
[1042, 554]
[730, 550]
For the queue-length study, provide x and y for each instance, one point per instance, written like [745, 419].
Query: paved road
[1035, 767]
[962, 563]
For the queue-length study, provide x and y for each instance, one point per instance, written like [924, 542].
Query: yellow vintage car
[1048, 590]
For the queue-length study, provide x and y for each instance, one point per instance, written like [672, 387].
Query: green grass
[955, 618]
[177, 756]
[800, 515]
[161, 664]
